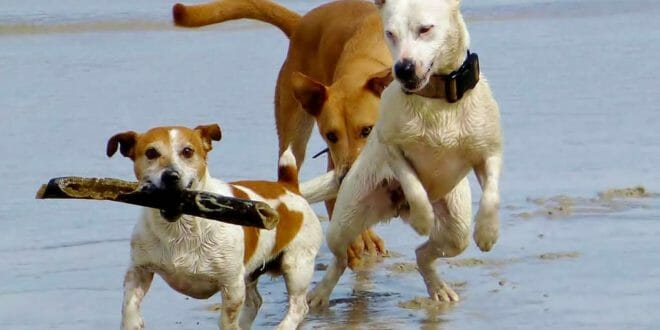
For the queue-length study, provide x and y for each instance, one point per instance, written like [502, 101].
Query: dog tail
[226, 10]
[287, 170]
[320, 189]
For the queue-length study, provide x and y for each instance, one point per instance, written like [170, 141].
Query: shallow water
[576, 83]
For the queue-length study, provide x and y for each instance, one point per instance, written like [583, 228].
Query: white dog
[199, 257]
[438, 121]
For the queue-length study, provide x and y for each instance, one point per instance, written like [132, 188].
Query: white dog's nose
[405, 70]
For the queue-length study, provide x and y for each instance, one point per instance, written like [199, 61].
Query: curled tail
[321, 188]
[225, 10]
[287, 171]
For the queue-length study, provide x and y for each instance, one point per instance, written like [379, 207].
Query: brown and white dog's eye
[332, 137]
[152, 153]
[187, 152]
[365, 131]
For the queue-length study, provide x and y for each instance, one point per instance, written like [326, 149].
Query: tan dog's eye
[152, 153]
[187, 152]
[332, 137]
[365, 131]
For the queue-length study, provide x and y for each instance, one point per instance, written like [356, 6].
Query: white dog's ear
[379, 3]
[379, 81]
[310, 93]
[209, 133]
[125, 142]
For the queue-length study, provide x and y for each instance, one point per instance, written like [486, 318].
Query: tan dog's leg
[294, 125]
[136, 284]
[253, 302]
[448, 239]
[368, 242]
[233, 297]
[486, 230]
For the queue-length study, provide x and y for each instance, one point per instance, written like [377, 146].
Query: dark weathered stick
[198, 203]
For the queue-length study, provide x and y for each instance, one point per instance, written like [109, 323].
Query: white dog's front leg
[421, 210]
[486, 230]
[136, 284]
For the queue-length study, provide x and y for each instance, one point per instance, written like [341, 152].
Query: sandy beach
[580, 216]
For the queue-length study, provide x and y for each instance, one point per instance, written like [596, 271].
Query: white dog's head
[425, 37]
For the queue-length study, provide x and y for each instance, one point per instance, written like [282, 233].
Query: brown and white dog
[336, 69]
[199, 257]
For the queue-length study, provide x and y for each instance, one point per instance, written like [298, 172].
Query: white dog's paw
[443, 293]
[134, 324]
[486, 230]
[318, 298]
[421, 221]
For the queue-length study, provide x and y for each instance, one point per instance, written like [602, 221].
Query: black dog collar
[453, 86]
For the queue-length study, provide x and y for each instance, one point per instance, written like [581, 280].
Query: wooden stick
[203, 204]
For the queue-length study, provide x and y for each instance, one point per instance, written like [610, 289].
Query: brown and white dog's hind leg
[233, 297]
[252, 304]
[298, 269]
[448, 238]
[486, 230]
[136, 284]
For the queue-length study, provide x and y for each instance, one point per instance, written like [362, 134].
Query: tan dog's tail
[226, 10]
[287, 170]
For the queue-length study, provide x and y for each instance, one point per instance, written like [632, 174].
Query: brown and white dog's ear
[209, 133]
[379, 3]
[310, 93]
[379, 81]
[125, 142]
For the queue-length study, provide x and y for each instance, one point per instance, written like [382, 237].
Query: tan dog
[336, 69]
[199, 257]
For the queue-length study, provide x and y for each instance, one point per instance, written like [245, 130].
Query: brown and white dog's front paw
[487, 229]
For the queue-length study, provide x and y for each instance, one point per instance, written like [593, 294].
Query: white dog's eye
[425, 29]
[390, 35]
[187, 152]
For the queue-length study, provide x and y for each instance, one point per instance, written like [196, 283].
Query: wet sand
[576, 83]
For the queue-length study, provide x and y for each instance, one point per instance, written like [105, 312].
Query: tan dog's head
[345, 112]
[170, 158]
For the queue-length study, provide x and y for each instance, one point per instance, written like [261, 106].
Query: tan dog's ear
[209, 133]
[379, 81]
[310, 93]
[126, 143]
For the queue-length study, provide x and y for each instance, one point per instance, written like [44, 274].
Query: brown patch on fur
[287, 228]
[250, 234]
[290, 221]
[265, 189]
[288, 175]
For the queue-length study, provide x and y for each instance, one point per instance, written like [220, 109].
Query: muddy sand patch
[608, 201]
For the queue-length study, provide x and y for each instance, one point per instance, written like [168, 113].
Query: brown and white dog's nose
[170, 179]
[405, 70]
